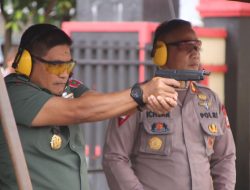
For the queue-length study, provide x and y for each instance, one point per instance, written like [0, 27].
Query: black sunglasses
[187, 45]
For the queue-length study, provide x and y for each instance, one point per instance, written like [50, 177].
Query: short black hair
[167, 27]
[39, 38]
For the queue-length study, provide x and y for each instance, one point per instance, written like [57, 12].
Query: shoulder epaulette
[15, 78]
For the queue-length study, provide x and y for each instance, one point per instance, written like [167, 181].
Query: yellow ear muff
[24, 64]
[160, 54]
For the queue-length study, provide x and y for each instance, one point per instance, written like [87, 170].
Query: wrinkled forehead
[179, 34]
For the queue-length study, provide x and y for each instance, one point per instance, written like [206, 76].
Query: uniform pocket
[212, 130]
[155, 138]
[45, 137]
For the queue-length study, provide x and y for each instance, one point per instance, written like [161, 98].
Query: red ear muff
[24, 63]
[160, 54]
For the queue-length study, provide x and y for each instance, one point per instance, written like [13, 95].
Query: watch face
[136, 93]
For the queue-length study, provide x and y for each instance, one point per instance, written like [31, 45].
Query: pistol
[182, 75]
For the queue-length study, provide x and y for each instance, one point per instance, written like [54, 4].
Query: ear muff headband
[160, 53]
[24, 63]
[23, 60]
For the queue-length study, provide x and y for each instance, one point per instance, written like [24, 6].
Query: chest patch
[155, 143]
[159, 127]
[213, 128]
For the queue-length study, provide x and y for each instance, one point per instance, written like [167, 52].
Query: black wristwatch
[137, 94]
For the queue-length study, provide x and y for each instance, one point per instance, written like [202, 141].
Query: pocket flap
[211, 128]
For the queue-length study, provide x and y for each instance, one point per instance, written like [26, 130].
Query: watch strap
[137, 95]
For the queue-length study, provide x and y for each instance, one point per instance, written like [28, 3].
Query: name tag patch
[209, 115]
[151, 114]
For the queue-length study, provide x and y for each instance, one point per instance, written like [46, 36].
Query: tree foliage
[18, 13]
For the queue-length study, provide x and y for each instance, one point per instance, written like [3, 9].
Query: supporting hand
[159, 94]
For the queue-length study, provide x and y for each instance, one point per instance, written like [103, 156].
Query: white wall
[188, 12]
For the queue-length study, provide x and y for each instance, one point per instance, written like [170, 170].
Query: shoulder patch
[74, 83]
[122, 119]
[224, 111]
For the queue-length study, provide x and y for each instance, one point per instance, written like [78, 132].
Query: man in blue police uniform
[189, 148]
[48, 106]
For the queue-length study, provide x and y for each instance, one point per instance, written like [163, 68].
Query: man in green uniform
[189, 148]
[47, 106]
